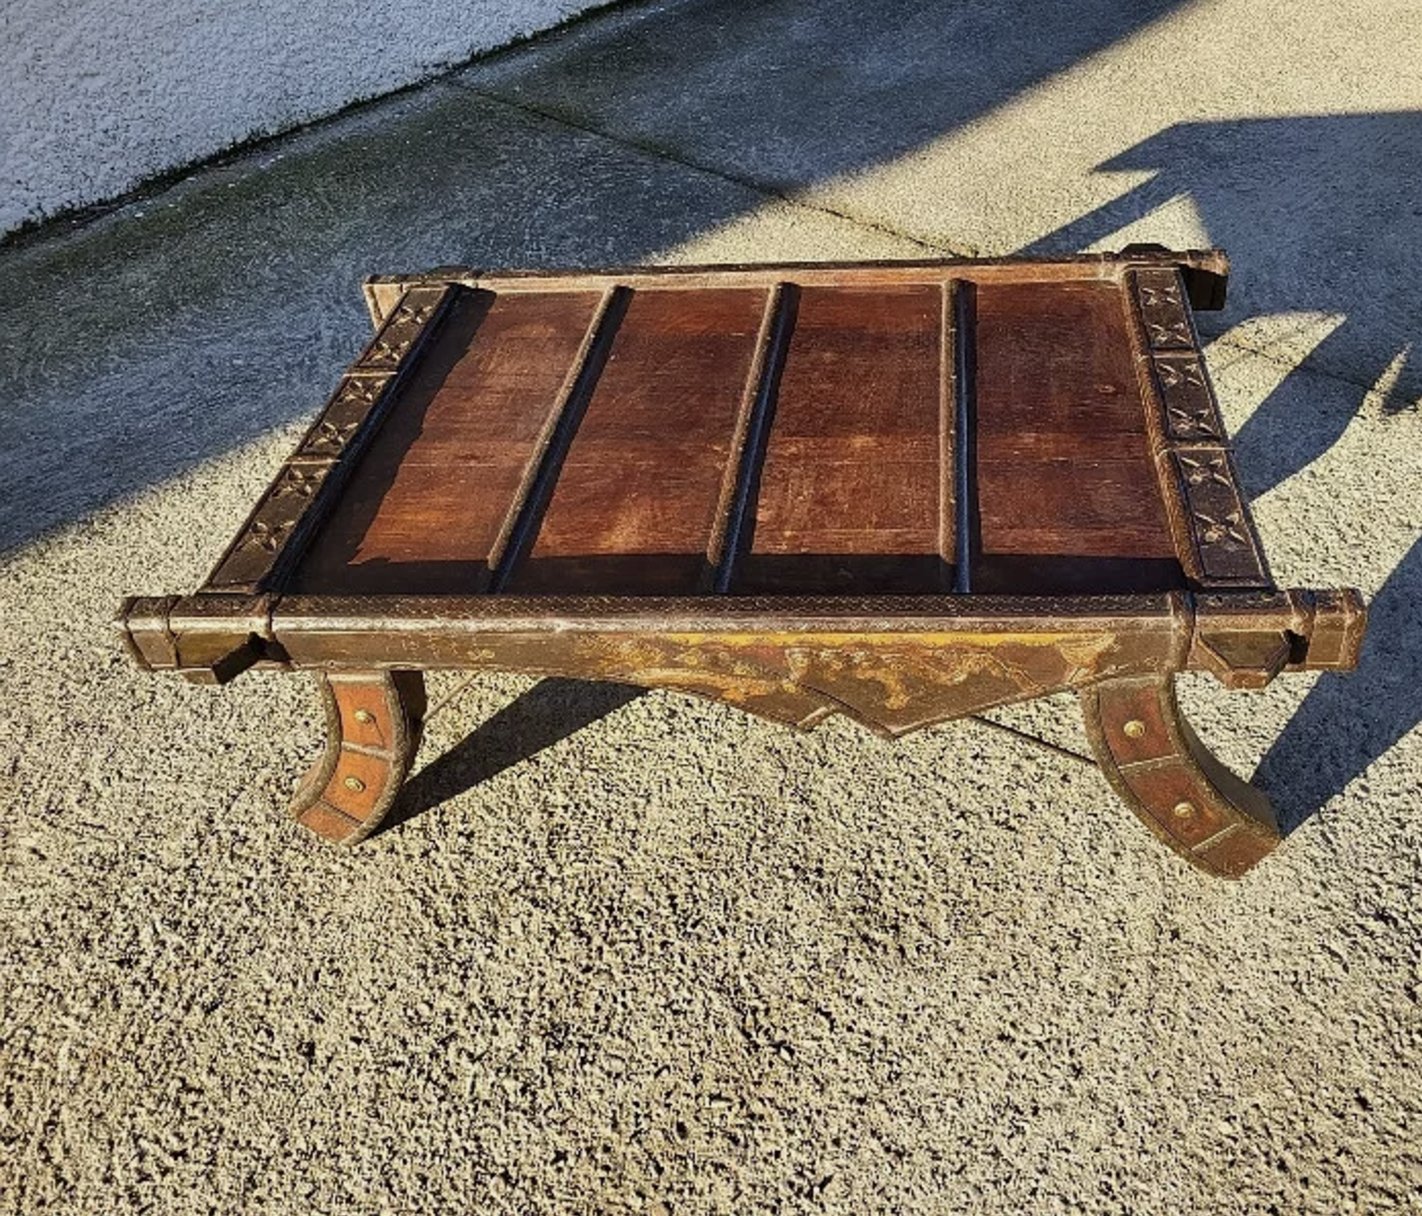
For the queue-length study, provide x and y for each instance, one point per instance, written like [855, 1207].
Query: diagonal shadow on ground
[545, 714]
[1283, 196]
[178, 330]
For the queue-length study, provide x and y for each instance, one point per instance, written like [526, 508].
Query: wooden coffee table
[905, 492]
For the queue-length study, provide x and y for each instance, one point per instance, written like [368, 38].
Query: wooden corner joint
[1205, 271]
[383, 292]
[206, 638]
[1246, 639]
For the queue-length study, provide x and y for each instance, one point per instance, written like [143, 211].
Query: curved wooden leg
[373, 725]
[1188, 798]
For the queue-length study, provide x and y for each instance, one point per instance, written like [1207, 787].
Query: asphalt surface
[678, 960]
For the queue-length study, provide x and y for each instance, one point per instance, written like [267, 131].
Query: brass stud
[354, 784]
[1183, 810]
[1134, 729]
[364, 717]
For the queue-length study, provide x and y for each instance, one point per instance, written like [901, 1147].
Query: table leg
[1149, 754]
[373, 722]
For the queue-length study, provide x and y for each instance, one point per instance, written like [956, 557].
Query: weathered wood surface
[373, 724]
[903, 492]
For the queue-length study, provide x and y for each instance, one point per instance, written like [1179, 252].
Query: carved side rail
[1242, 638]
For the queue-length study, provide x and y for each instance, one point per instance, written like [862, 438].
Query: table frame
[894, 663]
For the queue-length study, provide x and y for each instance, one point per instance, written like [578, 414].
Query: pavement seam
[662, 153]
[769, 190]
[69, 219]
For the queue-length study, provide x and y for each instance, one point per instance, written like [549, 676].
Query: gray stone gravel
[682, 961]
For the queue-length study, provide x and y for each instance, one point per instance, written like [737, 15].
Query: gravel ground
[679, 960]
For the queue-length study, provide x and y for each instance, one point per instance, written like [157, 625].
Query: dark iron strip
[739, 523]
[528, 518]
[967, 526]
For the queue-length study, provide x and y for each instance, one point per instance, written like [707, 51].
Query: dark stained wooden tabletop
[905, 492]
[990, 428]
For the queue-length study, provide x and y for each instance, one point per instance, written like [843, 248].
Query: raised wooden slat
[1067, 492]
[742, 478]
[850, 492]
[959, 451]
[425, 510]
[635, 502]
[528, 510]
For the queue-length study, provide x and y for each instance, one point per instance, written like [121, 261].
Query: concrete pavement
[682, 958]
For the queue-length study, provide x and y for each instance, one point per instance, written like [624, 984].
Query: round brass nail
[354, 784]
[1183, 810]
[364, 717]
[1134, 729]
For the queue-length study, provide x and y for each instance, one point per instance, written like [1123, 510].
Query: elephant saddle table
[905, 492]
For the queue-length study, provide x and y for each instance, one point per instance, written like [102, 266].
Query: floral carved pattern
[1226, 531]
[1158, 297]
[363, 392]
[1180, 375]
[299, 483]
[389, 351]
[1189, 425]
[1208, 470]
[1162, 309]
[1189, 405]
[268, 537]
[1213, 532]
[412, 314]
[330, 438]
[1168, 333]
[403, 329]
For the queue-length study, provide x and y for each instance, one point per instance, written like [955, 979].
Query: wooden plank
[426, 508]
[1067, 493]
[634, 507]
[850, 493]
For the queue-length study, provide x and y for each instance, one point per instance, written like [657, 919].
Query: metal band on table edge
[1242, 637]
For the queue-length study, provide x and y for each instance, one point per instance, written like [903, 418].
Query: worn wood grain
[424, 510]
[851, 491]
[898, 492]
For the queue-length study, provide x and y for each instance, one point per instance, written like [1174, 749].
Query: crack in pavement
[771, 191]
[670, 156]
